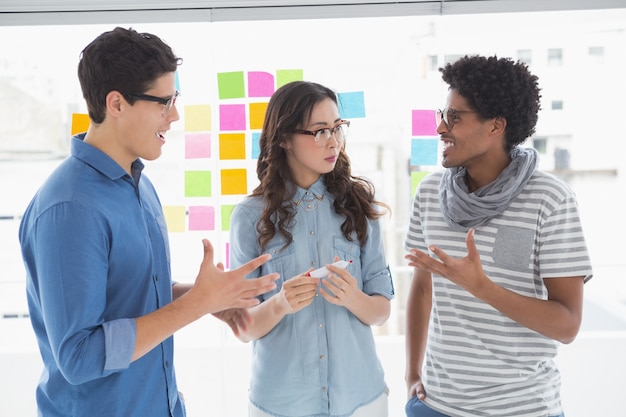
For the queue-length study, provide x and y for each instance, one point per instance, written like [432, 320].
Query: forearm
[157, 326]
[372, 310]
[556, 318]
[179, 289]
[265, 317]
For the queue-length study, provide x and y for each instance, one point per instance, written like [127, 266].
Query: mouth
[161, 136]
[331, 159]
[447, 146]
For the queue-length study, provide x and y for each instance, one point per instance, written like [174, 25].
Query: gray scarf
[463, 210]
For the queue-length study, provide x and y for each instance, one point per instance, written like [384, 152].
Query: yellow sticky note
[175, 217]
[80, 123]
[257, 115]
[197, 118]
[234, 181]
[232, 145]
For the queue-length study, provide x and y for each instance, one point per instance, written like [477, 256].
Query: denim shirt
[95, 247]
[320, 361]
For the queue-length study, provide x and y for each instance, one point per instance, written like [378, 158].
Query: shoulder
[250, 207]
[549, 185]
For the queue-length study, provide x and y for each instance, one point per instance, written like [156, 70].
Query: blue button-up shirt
[320, 361]
[95, 247]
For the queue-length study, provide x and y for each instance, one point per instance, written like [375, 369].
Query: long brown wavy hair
[289, 109]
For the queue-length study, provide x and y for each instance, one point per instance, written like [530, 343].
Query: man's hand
[216, 290]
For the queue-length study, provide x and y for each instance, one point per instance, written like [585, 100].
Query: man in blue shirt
[94, 243]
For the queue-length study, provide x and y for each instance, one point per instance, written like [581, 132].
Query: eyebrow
[324, 124]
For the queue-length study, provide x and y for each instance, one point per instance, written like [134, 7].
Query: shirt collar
[100, 161]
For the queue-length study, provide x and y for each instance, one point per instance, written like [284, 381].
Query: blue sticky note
[424, 151]
[256, 149]
[351, 104]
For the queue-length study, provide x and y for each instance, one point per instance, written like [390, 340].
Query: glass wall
[386, 73]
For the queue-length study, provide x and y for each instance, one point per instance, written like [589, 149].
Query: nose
[442, 127]
[172, 114]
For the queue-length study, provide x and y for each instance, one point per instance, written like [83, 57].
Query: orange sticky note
[80, 123]
[234, 181]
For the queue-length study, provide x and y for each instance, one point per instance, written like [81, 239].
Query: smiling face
[307, 160]
[474, 143]
[146, 122]
[138, 130]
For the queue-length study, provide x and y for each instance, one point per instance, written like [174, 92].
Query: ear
[285, 144]
[115, 103]
[499, 125]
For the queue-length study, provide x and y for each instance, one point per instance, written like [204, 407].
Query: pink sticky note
[227, 251]
[197, 145]
[233, 117]
[201, 218]
[424, 123]
[260, 84]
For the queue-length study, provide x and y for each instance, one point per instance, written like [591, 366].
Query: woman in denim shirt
[314, 352]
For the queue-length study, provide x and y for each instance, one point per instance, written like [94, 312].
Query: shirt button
[323, 388]
[312, 232]
[308, 206]
[322, 357]
[312, 263]
[320, 325]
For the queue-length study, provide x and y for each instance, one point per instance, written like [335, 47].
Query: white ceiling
[42, 12]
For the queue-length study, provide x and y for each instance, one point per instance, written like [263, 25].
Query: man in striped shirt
[498, 253]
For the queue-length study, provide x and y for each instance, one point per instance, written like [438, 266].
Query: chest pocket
[349, 251]
[283, 261]
[513, 248]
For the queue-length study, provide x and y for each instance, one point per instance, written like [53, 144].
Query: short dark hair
[498, 87]
[122, 60]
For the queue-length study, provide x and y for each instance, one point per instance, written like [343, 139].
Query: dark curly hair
[498, 87]
[289, 109]
[122, 60]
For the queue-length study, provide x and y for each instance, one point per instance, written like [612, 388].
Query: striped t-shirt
[478, 361]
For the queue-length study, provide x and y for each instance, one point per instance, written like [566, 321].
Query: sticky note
[197, 145]
[257, 115]
[231, 85]
[254, 145]
[234, 181]
[201, 218]
[416, 178]
[423, 123]
[226, 210]
[227, 252]
[260, 84]
[197, 118]
[285, 76]
[175, 218]
[424, 151]
[233, 117]
[80, 123]
[197, 183]
[351, 105]
[232, 146]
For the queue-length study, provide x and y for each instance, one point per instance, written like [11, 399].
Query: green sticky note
[226, 210]
[416, 178]
[231, 85]
[286, 76]
[197, 183]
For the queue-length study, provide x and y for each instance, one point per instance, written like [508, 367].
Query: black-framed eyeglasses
[449, 116]
[167, 102]
[322, 136]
